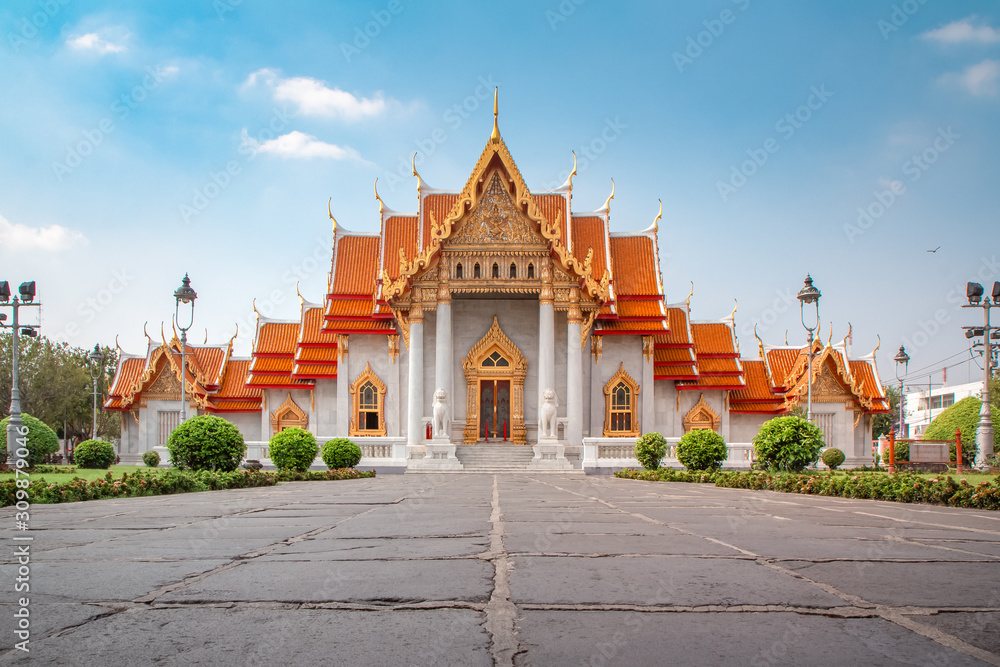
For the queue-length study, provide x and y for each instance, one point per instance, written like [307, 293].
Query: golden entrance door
[494, 409]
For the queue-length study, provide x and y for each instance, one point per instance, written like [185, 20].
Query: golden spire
[688, 300]
[760, 342]
[656, 220]
[850, 329]
[607, 204]
[234, 335]
[420, 183]
[256, 312]
[381, 204]
[495, 137]
[330, 213]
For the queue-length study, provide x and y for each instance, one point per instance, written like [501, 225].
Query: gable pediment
[495, 220]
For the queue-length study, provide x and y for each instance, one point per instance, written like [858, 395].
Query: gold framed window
[621, 395]
[367, 404]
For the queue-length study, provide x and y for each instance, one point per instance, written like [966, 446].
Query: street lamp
[96, 368]
[809, 294]
[184, 294]
[17, 449]
[904, 359]
[984, 430]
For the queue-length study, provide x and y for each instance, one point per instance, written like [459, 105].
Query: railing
[382, 451]
[616, 452]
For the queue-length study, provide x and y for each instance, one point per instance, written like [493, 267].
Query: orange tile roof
[719, 367]
[272, 365]
[644, 309]
[338, 308]
[633, 263]
[757, 386]
[634, 328]
[675, 372]
[356, 264]
[679, 335]
[311, 331]
[713, 339]
[368, 327]
[588, 232]
[673, 356]
[781, 360]
[399, 232]
[864, 376]
[314, 371]
[235, 406]
[234, 382]
[276, 382]
[316, 355]
[130, 370]
[724, 382]
[441, 205]
[277, 338]
[552, 206]
[209, 361]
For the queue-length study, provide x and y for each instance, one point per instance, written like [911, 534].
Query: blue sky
[843, 139]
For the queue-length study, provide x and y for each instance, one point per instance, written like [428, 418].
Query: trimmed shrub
[964, 416]
[42, 440]
[702, 449]
[206, 442]
[900, 452]
[650, 450]
[151, 459]
[293, 449]
[788, 443]
[94, 454]
[341, 453]
[833, 457]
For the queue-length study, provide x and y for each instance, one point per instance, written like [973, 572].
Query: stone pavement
[506, 569]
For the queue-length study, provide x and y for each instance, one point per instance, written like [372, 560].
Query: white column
[443, 350]
[343, 389]
[574, 371]
[546, 338]
[415, 379]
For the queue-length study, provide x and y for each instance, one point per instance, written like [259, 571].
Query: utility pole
[17, 434]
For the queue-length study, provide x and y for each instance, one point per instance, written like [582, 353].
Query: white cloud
[297, 144]
[962, 31]
[94, 42]
[53, 238]
[313, 97]
[981, 79]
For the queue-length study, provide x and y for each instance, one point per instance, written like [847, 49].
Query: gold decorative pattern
[648, 348]
[288, 415]
[597, 347]
[495, 220]
[494, 340]
[621, 377]
[702, 416]
[393, 346]
[342, 345]
[367, 375]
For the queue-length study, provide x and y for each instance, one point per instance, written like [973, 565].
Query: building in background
[921, 407]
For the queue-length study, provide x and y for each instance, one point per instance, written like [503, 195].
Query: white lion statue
[547, 414]
[442, 427]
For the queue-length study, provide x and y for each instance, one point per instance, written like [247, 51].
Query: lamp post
[184, 294]
[903, 359]
[17, 434]
[96, 359]
[809, 294]
[984, 429]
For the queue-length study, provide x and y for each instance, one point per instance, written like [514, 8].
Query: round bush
[788, 443]
[650, 449]
[42, 440]
[833, 457]
[151, 458]
[293, 449]
[341, 453]
[206, 442]
[900, 452]
[702, 449]
[94, 454]
[964, 416]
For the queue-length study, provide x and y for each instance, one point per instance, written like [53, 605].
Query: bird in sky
[935, 249]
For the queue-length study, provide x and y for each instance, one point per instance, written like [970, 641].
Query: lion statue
[442, 428]
[547, 414]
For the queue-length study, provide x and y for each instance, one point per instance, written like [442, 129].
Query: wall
[617, 350]
[373, 350]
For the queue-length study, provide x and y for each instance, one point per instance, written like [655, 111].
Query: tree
[882, 423]
[56, 387]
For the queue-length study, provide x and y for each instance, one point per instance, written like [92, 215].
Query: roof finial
[495, 137]
[569, 179]
[688, 300]
[146, 332]
[878, 344]
[760, 341]
[206, 336]
[607, 204]
[849, 331]
[234, 335]
[117, 346]
[330, 212]
[732, 315]
[420, 182]
[829, 341]
[256, 312]
[302, 299]
[656, 220]
[381, 204]
[786, 336]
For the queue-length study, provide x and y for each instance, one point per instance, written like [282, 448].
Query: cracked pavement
[512, 569]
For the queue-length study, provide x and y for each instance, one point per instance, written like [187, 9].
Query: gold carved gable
[164, 387]
[702, 416]
[496, 221]
[828, 389]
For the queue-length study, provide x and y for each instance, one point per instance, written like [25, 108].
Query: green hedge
[293, 449]
[964, 416]
[903, 487]
[42, 440]
[320, 475]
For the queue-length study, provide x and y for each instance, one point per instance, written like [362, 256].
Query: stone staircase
[491, 458]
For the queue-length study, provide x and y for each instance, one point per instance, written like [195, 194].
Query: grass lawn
[82, 473]
[971, 478]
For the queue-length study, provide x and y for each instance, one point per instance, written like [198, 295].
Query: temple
[497, 315]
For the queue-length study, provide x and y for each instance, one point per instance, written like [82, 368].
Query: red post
[958, 451]
[486, 430]
[505, 431]
[892, 451]
[428, 431]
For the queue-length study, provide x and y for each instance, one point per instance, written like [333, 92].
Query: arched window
[495, 360]
[513, 270]
[368, 399]
[477, 272]
[621, 396]
[531, 271]
[458, 271]
[496, 270]
[287, 415]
